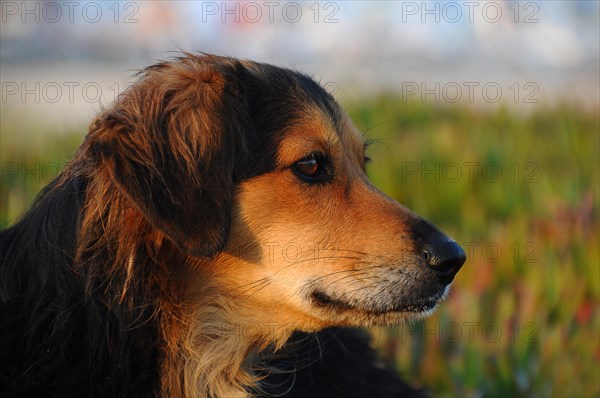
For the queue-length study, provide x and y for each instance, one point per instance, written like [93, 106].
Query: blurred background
[485, 117]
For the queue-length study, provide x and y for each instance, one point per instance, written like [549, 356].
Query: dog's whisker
[251, 283]
[321, 258]
[256, 287]
[256, 290]
[342, 250]
[345, 280]
[329, 274]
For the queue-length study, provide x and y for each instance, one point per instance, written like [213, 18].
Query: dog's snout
[444, 256]
[441, 254]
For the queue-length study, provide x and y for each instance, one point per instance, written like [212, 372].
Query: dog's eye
[311, 169]
[308, 167]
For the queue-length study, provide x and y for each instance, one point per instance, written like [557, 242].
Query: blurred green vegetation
[520, 192]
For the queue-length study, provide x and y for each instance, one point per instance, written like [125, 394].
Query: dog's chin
[390, 312]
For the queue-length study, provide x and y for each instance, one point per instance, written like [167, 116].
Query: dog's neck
[218, 347]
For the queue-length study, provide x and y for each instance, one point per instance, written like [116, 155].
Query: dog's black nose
[445, 256]
[441, 254]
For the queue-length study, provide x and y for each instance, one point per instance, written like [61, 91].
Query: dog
[215, 235]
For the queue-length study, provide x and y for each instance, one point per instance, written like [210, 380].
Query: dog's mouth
[414, 306]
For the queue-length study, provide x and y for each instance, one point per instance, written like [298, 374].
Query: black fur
[55, 340]
[335, 363]
[63, 330]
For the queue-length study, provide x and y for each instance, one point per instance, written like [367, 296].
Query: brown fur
[192, 198]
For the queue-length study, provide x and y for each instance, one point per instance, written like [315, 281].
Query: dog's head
[257, 173]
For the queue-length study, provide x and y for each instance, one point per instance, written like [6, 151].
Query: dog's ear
[169, 143]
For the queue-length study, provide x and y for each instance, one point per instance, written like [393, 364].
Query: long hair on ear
[169, 144]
